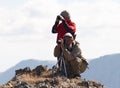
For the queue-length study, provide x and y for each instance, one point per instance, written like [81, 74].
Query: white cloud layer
[25, 28]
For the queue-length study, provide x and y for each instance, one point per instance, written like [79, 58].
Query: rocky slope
[32, 63]
[41, 77]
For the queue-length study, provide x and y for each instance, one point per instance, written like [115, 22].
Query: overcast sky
[25, 28]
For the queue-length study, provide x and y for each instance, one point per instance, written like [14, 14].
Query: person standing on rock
[63, 24]
[75, 63]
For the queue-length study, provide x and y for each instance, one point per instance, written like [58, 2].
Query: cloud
[11, 4]
[26, 15]
[25, 27]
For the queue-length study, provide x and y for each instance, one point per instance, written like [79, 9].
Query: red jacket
[64, 27]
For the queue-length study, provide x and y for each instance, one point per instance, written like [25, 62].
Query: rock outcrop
[41, 77]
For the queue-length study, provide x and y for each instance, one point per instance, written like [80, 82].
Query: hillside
[106, 70]
[41, 77]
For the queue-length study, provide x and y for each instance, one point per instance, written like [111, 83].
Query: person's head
[65, 14]
[68, 37]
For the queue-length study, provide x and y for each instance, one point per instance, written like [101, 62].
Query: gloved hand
[59, 18]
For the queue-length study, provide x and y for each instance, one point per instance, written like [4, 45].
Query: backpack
[84, 65]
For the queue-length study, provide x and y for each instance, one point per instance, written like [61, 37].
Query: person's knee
[57, 51]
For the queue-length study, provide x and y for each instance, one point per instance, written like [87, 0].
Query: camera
[59, 42]
[59, 17]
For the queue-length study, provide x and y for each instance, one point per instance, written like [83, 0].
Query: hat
[65, 14]
[68, 35]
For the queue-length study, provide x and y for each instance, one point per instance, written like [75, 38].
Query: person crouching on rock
[74, 62]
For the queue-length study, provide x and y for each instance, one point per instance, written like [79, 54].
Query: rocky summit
[41, 77]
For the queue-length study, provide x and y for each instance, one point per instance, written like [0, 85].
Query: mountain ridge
[32, 63]
[105, 70]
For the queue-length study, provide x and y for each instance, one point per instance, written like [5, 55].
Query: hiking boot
[77, 76]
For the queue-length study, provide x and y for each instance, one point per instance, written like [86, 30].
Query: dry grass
[45, 75]
[32, 79]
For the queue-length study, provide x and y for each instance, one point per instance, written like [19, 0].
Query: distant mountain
[106, 70]
[7, 75]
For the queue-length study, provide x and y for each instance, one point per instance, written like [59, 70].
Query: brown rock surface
[41, 77]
